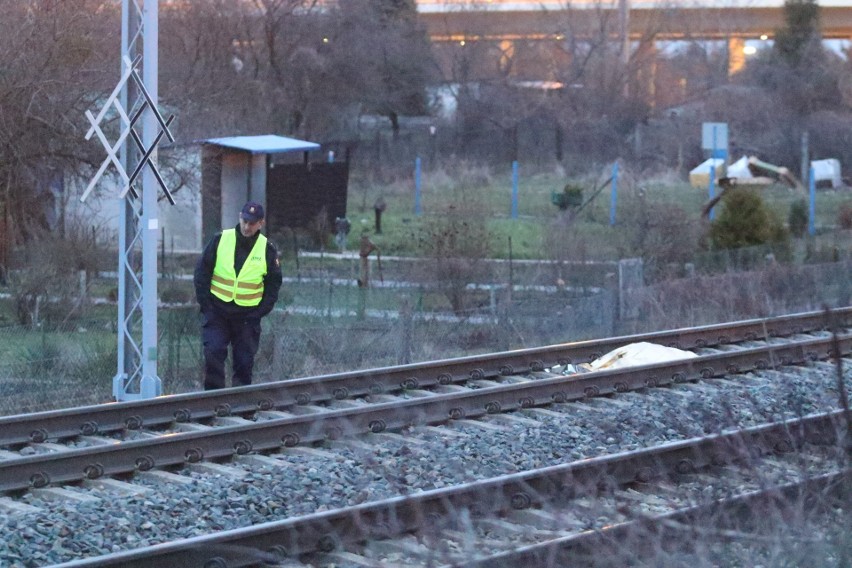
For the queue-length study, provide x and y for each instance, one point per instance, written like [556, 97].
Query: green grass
[541, 231]
[490, 196]
[83, 344]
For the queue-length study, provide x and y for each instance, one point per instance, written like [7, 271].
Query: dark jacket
[204, 272]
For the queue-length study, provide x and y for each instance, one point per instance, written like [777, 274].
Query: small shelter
[275, 171]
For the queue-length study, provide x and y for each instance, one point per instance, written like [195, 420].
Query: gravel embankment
[344, 474]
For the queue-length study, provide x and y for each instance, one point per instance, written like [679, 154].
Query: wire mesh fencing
[326, 323]
[44, 367]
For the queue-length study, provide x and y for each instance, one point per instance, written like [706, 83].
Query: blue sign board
[714, 137]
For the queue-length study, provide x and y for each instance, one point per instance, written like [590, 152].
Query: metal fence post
[614, 194]
[711, 188]
[515, 189]
[812, 204]
[405, 320]
[417, 210]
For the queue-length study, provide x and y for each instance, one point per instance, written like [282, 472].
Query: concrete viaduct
[525, 20]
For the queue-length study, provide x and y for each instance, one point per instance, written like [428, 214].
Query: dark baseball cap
[252, 212]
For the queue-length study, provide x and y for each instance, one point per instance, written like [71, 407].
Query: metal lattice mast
[150, 385]
[136, 376]
[129, 366]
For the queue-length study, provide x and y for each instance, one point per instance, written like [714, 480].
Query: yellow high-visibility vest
[245, 288]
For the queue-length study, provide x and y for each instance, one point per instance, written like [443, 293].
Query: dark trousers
[217, 332]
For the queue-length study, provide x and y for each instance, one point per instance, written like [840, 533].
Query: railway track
[291, 394]
[109, 448]
[88, 456]
[540, 517]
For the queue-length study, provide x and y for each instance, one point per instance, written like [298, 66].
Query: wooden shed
[275, 171]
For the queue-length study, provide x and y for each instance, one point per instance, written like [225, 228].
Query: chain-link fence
[326, 323]
[773, 290]
[49, 366]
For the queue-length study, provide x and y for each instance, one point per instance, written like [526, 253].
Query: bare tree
[458, 241]
[244, 66]
[200, 67]
[53, 66]
[380, 58]
[235, 67]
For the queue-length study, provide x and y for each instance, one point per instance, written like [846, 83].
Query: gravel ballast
[342, 474]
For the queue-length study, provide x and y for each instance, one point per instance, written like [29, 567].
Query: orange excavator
[759, 170]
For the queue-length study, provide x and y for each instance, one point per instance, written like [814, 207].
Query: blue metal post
[713, 155]
[614, 195]
[417, 210]
[515, 189]
[711, 187]
[812, 212]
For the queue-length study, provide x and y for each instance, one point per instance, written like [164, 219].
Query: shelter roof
[264, 144]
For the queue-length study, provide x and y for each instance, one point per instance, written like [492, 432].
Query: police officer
[237, 280]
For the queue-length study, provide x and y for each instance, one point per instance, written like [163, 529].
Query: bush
[573, 196]
[176, 293]
[44, 281]
[663, 235]
[797, 219]
[844, 216]
[457, 241]
[44, 359]
[746, 221]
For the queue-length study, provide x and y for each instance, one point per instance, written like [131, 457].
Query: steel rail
[327, 531]
[224, 442]
[162, 411]
[568, 550]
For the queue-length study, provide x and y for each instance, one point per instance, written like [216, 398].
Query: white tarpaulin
[634, 354]
[739, 169]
